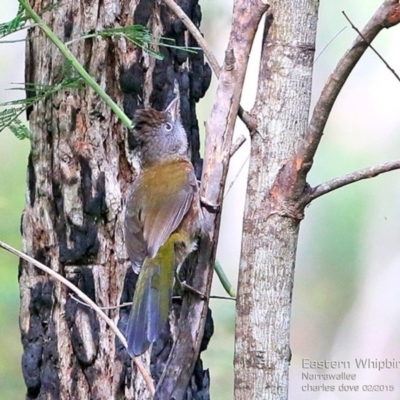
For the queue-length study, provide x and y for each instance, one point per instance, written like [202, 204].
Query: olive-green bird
[163, 219]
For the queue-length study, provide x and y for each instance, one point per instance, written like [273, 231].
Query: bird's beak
[173, 108]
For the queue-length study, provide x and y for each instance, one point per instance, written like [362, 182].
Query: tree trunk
[270, 230]
[78, 173]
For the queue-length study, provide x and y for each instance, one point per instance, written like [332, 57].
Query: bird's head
[160, 134]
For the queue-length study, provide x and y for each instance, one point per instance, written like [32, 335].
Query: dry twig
[386, 16]
[246, 17]
[352, 177]
[128, 304]
[372, 48]
[146, 376]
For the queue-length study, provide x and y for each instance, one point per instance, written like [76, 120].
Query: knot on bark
[287, 193]
[288, 209]
[393, 16]
[229, 60]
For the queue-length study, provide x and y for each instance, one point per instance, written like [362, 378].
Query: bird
[163, 220]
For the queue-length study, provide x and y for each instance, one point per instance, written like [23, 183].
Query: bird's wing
[160, 199]
[174, 196]
[134, 240]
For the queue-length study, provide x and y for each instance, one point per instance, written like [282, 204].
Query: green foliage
[9, 118]
[139, 36]
[136, 34]
[20, 21]
[11, 111]
[16, 24]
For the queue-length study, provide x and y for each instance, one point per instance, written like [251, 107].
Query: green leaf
[16, 24]
[139, 36]
[19, 129]
[9, 116]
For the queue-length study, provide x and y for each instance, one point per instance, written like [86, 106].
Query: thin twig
[219, 131]
[12, 41]
[210, 297]
[75, 63]
[236, 176]
[237, 144]
[130, 303]
[101, 308]
[352, 177]
[246, 117]
[372, 48]
[146, 376]
[328, 44]
[222, 298]
[386, 16]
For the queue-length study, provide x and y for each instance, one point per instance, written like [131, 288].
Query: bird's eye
[168, 126]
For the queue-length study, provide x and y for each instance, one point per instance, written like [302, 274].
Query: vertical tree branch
[270, 228]
[219, 127]
[78, 175]
[277, 188]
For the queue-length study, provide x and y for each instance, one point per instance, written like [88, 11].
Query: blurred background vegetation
[346, 298]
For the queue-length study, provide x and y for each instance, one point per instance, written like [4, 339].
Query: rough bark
[219, 128]
[78, 174]
[271, 224]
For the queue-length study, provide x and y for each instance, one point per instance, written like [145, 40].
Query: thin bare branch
[237, 144]
[352, 177]
[146, 376]
[219, 127]
[245, 161]
[386, 16]
[223, 298]
[128, 304]
[246, 117]
[328, 44]
[372, 48]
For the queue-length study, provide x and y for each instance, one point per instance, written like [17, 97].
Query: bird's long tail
[152, 300]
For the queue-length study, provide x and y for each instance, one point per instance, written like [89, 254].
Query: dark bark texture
[79, 170]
